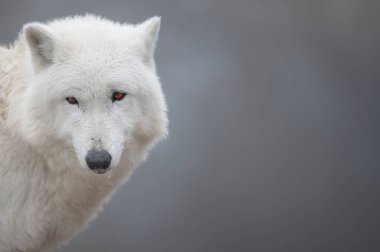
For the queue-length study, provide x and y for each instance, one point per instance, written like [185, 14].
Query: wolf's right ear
[42, 44]
[149, 30]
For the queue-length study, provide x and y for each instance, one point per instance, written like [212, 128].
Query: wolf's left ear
[42, 44]
[149, 30]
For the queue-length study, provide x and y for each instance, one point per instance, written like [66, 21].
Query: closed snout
[99, 144]
[98, 161]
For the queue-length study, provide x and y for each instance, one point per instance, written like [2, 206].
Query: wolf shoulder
[14, 153]
[5, 55]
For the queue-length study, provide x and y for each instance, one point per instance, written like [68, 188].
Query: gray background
[274, 134]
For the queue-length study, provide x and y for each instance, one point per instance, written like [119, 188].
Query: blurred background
[274, 135]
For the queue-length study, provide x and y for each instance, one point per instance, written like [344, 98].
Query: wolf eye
[72, 100]
[118, 96]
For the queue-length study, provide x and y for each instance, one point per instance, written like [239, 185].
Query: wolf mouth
[100, 171]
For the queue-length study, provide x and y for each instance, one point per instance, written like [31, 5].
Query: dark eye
[118, 96]
[72, 100]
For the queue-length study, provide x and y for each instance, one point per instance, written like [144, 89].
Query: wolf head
[93, 87]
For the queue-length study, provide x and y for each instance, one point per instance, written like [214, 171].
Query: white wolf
[80, 106]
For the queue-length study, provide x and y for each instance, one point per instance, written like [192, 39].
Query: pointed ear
[149, 30]
[42, 44]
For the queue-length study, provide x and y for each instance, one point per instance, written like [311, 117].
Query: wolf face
[94, 86]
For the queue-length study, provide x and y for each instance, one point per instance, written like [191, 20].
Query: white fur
[47, 193]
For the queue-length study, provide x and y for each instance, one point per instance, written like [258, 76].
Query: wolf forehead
[93, 50]
[82, 39]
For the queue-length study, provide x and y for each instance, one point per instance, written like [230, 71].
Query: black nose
[98, 161]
